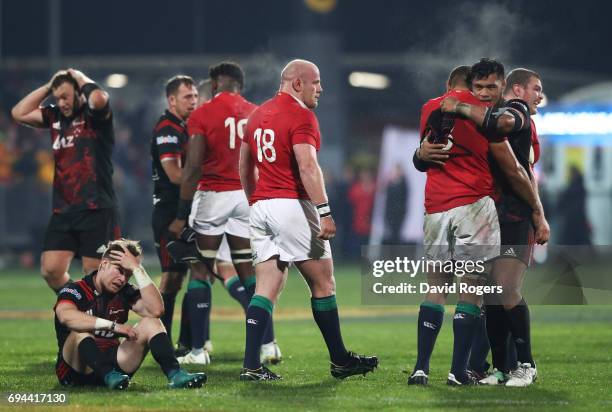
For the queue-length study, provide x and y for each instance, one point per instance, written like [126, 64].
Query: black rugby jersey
[169, 141]
[82, 148]
[511, 207]
[114, 307]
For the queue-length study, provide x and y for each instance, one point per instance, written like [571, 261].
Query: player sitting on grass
[90, 315]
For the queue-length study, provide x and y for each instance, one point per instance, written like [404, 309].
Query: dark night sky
[560, 34]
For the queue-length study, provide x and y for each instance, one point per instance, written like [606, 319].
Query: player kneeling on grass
[90, 316]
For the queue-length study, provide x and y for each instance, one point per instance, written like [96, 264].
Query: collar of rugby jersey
[224, 92]
[301, 103]
[172, 117]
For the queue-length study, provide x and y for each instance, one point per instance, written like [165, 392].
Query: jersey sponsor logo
[73, 292]
[78, 122]
[114, 312]
[167, 139]
[252, 321]
[63, 142]
[202, 305]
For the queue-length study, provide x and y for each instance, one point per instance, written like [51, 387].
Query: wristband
[141, 277]
[323, 209]
[184, 208]
[104, 324]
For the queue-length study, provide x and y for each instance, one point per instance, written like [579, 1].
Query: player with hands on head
[91, 315]
[84, 204]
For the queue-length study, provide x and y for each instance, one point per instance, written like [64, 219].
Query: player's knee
[51, 271]
[150, 326]
[511, 297]
[323, 287]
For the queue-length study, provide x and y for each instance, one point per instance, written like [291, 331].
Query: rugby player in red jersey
[219, 207]
[461, 221]
[291, 220]
[512, 117]
[91, 315]
[85, 213]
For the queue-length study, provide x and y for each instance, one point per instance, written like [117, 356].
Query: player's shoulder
[168, 124]
[78, 290]
[201, 110]
[432, 104]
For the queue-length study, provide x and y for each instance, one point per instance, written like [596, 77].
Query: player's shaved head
[296, 69]
[458, 77]
[301, 79]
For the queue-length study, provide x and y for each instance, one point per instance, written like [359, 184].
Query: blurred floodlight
[574, 123]
[369, 80]
[116, 80]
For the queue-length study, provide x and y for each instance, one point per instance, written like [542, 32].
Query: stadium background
[379, 62]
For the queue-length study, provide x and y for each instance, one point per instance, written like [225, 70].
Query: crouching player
[91, 315]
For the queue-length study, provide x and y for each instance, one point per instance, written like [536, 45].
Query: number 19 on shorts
[264, 138]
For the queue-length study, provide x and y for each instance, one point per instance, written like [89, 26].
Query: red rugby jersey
[466, 176]
[221, 121]
[272, 130]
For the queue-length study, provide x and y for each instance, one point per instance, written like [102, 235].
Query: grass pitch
[572, 346]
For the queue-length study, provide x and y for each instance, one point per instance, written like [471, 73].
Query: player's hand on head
[127, 331]
[125, 259]
[328, 228]
[74, 73]
[176, 227]
[449, 104]
[57, 73]
[433, 152]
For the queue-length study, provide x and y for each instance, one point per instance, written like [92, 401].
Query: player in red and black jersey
[520, 227]
[458, 184]
[84, 204]
[91, 315]
[168, 151]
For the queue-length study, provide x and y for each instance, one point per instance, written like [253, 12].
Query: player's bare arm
[150, 303]
[68, 314]
[502, 120]
[246, 167]
[27, 111]
[98, 98]
[542, 228]
[172, 168]
[189, 180]
[520, 182]
[312, 179]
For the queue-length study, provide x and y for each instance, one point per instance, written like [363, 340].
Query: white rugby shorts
[469, 232]
[224, 253]
[215, 213]
[287, 228]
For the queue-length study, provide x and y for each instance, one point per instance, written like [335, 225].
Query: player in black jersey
[168, 149]
[509, 314]
[84, 204]
[91, 315]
